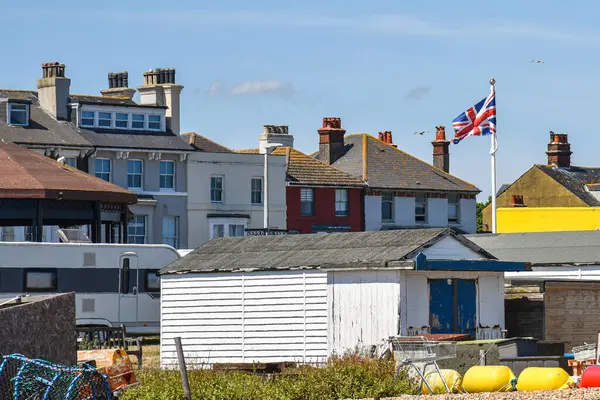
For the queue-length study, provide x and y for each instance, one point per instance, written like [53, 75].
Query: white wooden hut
[305, 297]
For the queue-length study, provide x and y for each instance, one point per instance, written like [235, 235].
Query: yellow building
[548, 219]
[557, 184]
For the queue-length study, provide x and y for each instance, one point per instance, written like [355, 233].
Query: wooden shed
[303, 298]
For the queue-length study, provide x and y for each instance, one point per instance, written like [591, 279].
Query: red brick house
[319, 197]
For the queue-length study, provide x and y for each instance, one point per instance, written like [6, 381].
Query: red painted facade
[324, 210]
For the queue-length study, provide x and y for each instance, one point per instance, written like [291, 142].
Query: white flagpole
[493, 149]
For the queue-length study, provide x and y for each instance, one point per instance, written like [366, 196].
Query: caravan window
[152, 281]
[40, 280]
[125, 276]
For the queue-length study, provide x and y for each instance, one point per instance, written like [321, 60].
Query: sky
[379, 65]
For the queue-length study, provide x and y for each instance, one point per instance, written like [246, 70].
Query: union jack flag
[479, 120]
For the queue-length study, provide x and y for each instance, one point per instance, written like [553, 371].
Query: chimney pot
[440, 133]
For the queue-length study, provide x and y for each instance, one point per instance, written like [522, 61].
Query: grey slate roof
[574, 179]
[202, 143]
[43, 130]
[391, 168]
[333, 250]
[543, 247]
[134, 139]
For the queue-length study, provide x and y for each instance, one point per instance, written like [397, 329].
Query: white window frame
[174, 239]
[110, 120]
[109, 168]
[253, 191]
[135, 225]
[114, 110]
[144, 122]
[222, 189]
[9, 111]
[425, 205]
[8, 233]
[160, 118]
[226, 222]
[457, 205]
[81, 118]
[141, 174]
[304, 191]
[341, 200]
[127, 122]
[392, 203]
[173, 175]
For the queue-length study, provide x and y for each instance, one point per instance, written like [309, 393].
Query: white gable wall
[244, 317]
[437, 212]
[451, 249]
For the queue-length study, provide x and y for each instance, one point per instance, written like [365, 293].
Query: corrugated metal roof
[543, 247]
[333, 250]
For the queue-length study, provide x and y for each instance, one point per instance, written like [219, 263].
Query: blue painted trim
[423, 264]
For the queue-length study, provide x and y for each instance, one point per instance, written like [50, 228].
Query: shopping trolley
[409, 350]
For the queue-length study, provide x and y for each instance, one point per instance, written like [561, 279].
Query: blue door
[466, 306]
[441, 312]
[452, 306]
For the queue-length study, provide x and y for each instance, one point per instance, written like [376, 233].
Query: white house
[402, 191]
[226, 191]
[305, 297]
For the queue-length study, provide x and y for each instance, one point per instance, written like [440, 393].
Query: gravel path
[575, 394]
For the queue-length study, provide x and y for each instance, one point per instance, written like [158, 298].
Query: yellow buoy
[452, 378]
[540, 378]
[488, 378]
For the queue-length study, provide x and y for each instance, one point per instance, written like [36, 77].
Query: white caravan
[114, 283]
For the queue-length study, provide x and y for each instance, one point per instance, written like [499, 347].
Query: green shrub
[348, 377]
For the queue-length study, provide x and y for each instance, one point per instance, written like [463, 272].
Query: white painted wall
[404, 211]
[404, 214]
[237, 171]
[372, 213]
[468, 218]
[415, 306]
[437, 212]
[244, 317]
[363, 308]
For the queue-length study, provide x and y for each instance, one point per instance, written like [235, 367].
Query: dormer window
[120, 119]
[18, 114]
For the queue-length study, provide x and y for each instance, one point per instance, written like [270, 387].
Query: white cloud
[256, 87]
[214, 88]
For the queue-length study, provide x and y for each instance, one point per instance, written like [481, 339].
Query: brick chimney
[53, 90]
[386, 137]
[559, 150]
[160, 89]
[441, 152]
[275, 134]
[331, 140]
[118, 85]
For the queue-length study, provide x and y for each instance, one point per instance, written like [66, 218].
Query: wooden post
[183, 370]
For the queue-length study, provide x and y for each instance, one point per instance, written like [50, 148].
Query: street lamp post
[269, 148]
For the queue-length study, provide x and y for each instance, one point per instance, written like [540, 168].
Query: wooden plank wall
[572, 312]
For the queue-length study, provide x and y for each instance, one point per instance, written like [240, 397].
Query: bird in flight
[419, 133]
[537, 61]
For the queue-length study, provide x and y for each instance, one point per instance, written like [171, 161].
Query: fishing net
[22, 378]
